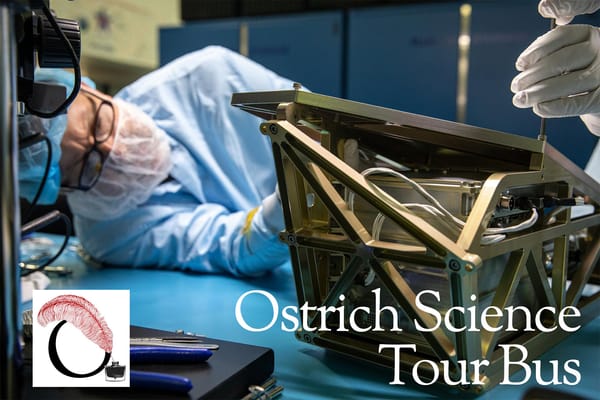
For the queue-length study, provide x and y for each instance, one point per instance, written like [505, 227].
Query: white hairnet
[139, 160]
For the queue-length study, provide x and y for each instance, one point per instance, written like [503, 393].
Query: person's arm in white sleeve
[560, 70]
[173, 231]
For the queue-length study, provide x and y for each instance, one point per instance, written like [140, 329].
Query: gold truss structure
[332, 245]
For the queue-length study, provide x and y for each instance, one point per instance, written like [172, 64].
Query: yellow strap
[248, 223]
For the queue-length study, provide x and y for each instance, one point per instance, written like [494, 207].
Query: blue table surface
[205, 304]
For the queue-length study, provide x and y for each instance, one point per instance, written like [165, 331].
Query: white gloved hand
[272, 212]
[563, 11]
[561, 75]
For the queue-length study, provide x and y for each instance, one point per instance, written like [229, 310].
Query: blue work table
[205, 304]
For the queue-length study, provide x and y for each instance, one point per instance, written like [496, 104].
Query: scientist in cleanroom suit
[167, 173]
[560, 71]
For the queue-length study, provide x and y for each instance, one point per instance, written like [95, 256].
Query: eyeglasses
[93, 159]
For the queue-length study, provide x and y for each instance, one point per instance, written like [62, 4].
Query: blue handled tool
[162, 355]
[159, 381]
[159, 354]
[175, 341]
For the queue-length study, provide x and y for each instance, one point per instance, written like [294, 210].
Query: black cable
[68, 231]
[44, 177]
[76, 68]
[60, 109]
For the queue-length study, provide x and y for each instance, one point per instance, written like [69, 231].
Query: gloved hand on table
[262, 249]
[560, 70]
[272, 212]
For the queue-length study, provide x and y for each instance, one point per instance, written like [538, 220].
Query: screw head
[454, 265]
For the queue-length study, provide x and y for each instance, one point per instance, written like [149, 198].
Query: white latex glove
[272, 212]
[563, 11]
[561, 75]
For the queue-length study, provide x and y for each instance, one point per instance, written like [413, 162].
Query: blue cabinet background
[305, 47]
[402, 57]
[175, 42]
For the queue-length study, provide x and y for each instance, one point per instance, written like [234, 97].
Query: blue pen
[159, 381]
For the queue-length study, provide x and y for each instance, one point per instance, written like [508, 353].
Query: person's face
[134, 158]
[88, 138]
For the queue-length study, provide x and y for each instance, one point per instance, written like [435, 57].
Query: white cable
[490, 235]
[417, 187]
[379, 219]
[425, 207]
[378, 225]
[491, 239]
[378, 222]
[515, 228]
[485, 239]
